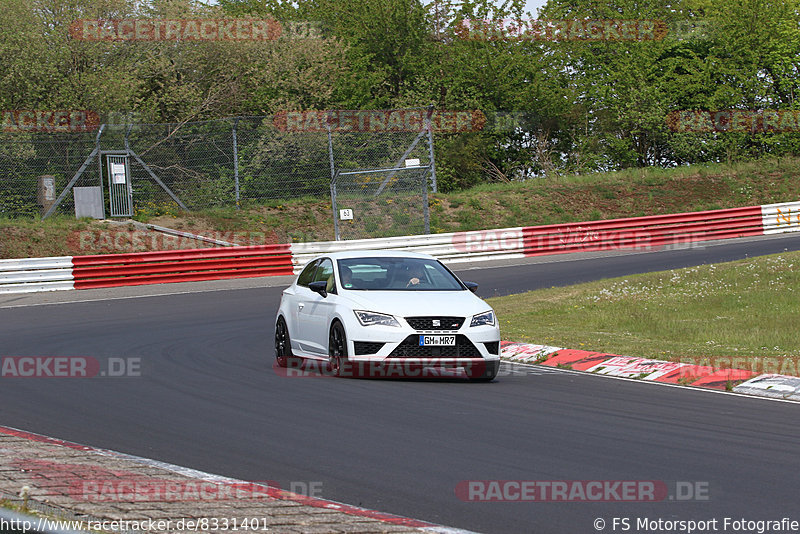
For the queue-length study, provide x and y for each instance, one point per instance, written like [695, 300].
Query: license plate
[437, 341]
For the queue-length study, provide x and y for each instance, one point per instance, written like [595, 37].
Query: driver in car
[416, 275]
[347, 276]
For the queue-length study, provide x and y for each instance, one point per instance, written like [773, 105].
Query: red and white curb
[218, 479]
[722, 378]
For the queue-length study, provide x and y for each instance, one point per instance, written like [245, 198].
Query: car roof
[350, 254]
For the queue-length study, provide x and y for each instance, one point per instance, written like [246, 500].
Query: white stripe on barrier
[780, 218]
[24, 264]
[42, 275]
[30, 275]
[36, 287]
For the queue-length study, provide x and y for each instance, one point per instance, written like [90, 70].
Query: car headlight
[482, 319]
[367, 318]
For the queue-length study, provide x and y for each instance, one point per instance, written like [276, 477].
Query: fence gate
[381, 202]
[120, 191]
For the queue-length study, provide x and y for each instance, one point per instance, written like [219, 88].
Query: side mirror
[472, 286]
[319, 287]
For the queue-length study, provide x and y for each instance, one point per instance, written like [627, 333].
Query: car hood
[418, 303]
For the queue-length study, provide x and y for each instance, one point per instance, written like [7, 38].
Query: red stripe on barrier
[113, 270]
[642, 232]
[179, 277]
[648, 220]
[180, 266]
[189, 254]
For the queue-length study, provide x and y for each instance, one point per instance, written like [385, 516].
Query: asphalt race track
[208, 398]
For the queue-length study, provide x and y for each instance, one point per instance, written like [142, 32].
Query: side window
[307, 275]
[325, 273]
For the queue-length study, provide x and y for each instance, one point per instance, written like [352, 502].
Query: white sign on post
[346, 215]
[118, 173]
[412, 162]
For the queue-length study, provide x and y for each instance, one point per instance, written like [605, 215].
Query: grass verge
[746, 309]
[629, 193]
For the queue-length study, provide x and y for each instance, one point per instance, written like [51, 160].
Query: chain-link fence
[24, 157]
[232, 162]
[380, 189]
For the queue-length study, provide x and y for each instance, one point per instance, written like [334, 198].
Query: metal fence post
[100, 168]
[425, 206]
[430, 148]
[333, 209]
[333, 182]
[236, 161]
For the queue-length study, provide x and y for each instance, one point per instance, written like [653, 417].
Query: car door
[296, 298]
[315, 312]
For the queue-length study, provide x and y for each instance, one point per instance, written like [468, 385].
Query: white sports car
[386, 313]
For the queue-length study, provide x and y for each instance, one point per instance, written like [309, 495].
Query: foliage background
[589, 106]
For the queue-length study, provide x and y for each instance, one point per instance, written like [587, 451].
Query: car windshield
[396, 274]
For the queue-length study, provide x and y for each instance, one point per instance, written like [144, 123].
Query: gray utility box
[89, 202]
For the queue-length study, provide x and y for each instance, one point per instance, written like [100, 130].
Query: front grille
[367, 347]
[427, 323]
[492, 347]
[410, 348]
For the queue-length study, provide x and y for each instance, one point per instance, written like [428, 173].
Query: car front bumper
[402, 368]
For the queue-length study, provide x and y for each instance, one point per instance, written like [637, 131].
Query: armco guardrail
[643, 233]
[780, 218]
[36, 274]
[110, 270]
[646, 233]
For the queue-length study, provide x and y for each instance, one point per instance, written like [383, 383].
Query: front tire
[283, 346]
[337, 349]
[486, 372]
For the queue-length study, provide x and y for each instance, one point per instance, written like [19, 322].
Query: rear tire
[337, 349]
[283, 346]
